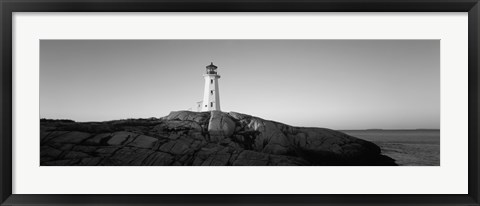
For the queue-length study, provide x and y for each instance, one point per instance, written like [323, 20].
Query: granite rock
[200, 139]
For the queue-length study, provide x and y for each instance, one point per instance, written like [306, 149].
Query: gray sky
[338, 84]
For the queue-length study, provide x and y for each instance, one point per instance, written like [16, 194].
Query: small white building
[211, 97]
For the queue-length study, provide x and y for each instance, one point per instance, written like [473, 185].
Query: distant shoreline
[389, 130]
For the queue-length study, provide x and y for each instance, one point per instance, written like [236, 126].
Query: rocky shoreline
[215, 138]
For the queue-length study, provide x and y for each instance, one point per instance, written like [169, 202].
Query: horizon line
[371, 129]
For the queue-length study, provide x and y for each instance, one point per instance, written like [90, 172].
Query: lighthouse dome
[211, 66]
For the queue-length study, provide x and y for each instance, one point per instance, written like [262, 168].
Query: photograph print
[239, 102]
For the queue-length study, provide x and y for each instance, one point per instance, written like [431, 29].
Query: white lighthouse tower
[211, 98]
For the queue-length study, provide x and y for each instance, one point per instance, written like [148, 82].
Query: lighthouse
[211, 98]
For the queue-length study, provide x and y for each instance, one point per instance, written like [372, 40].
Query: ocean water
[407, 147]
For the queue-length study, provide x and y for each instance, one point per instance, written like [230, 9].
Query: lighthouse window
[211, 104]
[211, 81]
[211, 92]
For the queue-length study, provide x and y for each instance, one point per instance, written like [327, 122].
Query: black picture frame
[7, 7]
